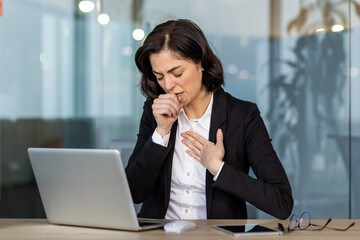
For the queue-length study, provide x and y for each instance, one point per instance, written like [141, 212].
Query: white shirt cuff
[217, 175]
[163, 141]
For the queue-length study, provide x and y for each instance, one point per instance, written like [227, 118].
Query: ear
[200, 66]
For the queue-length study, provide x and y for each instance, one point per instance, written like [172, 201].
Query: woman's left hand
[210, 155]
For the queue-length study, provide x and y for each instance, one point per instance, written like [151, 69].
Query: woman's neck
[198, 107]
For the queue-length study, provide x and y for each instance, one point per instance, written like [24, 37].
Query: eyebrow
[171, 70]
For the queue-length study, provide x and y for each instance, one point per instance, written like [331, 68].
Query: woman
[196, 142]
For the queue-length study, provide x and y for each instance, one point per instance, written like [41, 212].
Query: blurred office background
[68, 79]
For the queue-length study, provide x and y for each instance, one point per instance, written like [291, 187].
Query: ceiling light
[103, 19]
[337, 28]
[86, 6]
[138, 34]
[320, 29]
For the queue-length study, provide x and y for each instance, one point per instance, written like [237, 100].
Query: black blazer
[246, 142]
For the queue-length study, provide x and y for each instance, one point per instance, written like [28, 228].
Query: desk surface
[41, 229]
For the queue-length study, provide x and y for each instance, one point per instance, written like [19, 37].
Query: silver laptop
[86, 187]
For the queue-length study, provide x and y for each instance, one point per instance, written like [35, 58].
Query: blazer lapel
[168, 165]
[218, 120]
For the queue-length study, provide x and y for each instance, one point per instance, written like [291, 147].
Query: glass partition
[308, 109]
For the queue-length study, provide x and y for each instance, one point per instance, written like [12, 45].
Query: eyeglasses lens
[292, 223]
[304, 221]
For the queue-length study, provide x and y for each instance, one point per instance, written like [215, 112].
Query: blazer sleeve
[145, 163]
[271, 191]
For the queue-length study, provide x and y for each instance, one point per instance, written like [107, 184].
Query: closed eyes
[176, 75]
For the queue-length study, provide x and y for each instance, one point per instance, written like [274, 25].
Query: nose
[168, 83]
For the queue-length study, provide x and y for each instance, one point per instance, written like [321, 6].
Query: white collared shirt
[187, 194]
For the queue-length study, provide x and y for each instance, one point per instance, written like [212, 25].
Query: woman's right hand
[166, 109]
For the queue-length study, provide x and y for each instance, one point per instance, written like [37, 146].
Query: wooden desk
[40, 229]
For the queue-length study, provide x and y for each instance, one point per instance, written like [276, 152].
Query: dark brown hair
[186, 40]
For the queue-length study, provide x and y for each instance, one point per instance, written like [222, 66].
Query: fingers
[219, 138]
[167, 104]
[195, 146]
[182, 100]
[196, 143]
[193, 136]
[164, 109]
[171, 97]
[210, 155]
[196, 157]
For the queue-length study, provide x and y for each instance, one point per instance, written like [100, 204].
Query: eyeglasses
[304, 222]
